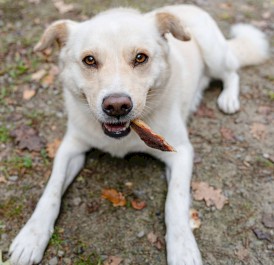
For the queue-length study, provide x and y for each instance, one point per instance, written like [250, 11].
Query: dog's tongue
[150, 138]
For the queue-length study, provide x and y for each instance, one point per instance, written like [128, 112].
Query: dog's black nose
[117, 105]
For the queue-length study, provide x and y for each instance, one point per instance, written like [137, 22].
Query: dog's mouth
[116, 130]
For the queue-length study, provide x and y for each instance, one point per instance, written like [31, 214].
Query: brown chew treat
[150, 138]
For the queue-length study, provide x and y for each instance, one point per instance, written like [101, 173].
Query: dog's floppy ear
[57, 31]
[168, 23]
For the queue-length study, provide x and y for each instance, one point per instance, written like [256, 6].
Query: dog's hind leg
[29, 245]
[228, 101]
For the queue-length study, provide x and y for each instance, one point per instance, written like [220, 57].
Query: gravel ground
[234, 153]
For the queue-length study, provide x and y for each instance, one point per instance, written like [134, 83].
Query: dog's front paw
[228, 102]
[29, 245]
[183, 251]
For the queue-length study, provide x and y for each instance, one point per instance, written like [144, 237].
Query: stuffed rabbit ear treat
[150, 138]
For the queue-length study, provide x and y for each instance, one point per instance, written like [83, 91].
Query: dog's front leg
[29, 245]
[181, 245]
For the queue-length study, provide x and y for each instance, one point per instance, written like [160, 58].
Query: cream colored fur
[164, 90]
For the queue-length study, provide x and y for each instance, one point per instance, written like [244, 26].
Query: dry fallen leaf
[258, 131]
[227, 134]
[155, 241]
[28, 138]
[152, 238]
[62, 7]
[50, 77]
[3, 179]
[48, 80]
[53, 147]
[242, 253]
[112, 260]
[202, 191]
[195, 221]
[37, 76]
[138, 205]
[114, 196]
[28, 93]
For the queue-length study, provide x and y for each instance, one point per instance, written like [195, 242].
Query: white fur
[175, 75]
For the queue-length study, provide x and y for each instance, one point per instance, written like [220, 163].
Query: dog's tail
[249, 45]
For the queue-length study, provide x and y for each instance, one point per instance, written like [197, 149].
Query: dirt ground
[234, 153]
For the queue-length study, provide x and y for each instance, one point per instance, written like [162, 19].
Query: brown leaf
[242, 253]
[195, 221]
[28, 94]
[63, 7]
[227, 134]
[152, 238]
[138, 205]
[112, 260]
[155, 241]
[53, 147]
[49, 79]
[28, 138]
[202, 191]
[37, 76]
[258, 131]
[114, 196]
[3, 179]
[204, 111]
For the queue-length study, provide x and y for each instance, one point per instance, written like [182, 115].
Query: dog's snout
[117, 105]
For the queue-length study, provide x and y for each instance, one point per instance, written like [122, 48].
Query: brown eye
[90, 61]
[140, 58]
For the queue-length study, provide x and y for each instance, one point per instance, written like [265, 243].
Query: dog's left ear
[168, 23]
[57, 31]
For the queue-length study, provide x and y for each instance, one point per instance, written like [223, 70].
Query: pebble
[4, 237]
[60, 253]
[141, 234]
[13, 178]
[270, 247]
[77, 201]
[67, 261]
[53, 261]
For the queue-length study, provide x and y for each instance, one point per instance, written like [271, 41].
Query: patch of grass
[271, 95]
[262, 162]
[3, 94]
[44, 156]
[34, 116]
[92, 259]
[56, 239]
[18, 70]
[20, 162]
[270, 77]
[13, 207]
[4, 134]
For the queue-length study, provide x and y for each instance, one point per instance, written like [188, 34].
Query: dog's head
[115, 61]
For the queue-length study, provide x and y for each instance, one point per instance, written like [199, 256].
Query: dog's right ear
[57, 31]
[168, 23]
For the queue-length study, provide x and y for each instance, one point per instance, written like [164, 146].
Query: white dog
[121, 65]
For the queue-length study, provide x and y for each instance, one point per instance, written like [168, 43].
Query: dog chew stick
[150, 138]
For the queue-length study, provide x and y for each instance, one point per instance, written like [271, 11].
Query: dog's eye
[140, 58]
[90, 61]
